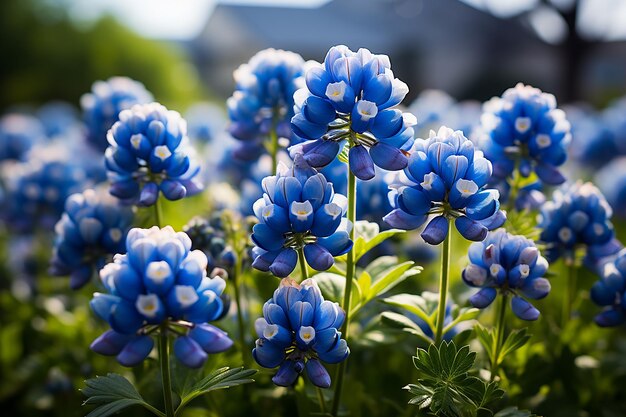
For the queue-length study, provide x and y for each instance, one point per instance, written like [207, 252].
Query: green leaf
[445, 386]
[400, 322]
[413, 304]
[331, 285]
[392, 277]
[464, 314]
[486, 338]
[514, 412]
[112, 393]
[515, 340]
[219, 379]
[368, 236]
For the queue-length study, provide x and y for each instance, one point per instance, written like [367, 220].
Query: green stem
[158, 213]
[320, 399]
[302, 262]
[443, 284]
[164, 359]
[570, 293]
[350, 270]
[515, 182]
[499, 336]
[240, 324]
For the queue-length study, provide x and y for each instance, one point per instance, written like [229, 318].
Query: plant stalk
[240, 323]
[158, 212]
[443, 284]
[164, 359]
[302, 262]
[350, 271]
[570, 293]
[499, 336]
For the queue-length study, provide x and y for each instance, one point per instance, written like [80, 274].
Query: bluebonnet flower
[299, 209]
[610, 292]
[529, 197]
[299, 331]
[208, 235]
[263, 99]
[18, 134]
[611, 179]
[149, 153]
[92, 228]
[593, 139]
[159, 283]
[104, 103]
[509, 264]
[446, 176]
[577, 217]
[35, 191]
[58, 118]
[350, 98]
[205, 122]
[525, 127]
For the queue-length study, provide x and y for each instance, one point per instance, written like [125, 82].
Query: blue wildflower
[208, 235]
[18, 134]
[58, 118]
[509, 264]
[104, 103]
[351, 98]
[263, 98]
[299, 209]
[446, 176]
[612, 181]
[92, 229]
[159, 283]
[149, 153]
[524, 127]
[529, 197]
[299, 331]
[205, 122]
[610, 292]
[577, 217]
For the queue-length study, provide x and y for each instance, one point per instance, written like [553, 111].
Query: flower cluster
[92, 228]
[612, 181]
[18, 134]
[149, 153]
[263, 99]
[445, 177]
[159, 283]
[350, 98]
[610, 292]
[298, 331]
[207, 235]
[104, 103]
[299, 210]
[577, 217]
[524, 128]
[511, 264]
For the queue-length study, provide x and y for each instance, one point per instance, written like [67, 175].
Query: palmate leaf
[445, 386]
[219, 379]
[515, 340]
[112, 393]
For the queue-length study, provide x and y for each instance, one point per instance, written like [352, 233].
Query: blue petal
[454, 168]
[483, 205]
[414, 201]
[470, 229]
[337, 353]
[110, 343]
[173, 190]
[301, 314]
[602, 294]
[321, 153]
[378, 89]
[610, 318]
[549, 174]
[436, 230]
[387, 123]
[263, 261]
[495, 221]
[337, 244]
[326, 221]
[307, 129]
[318, 257]
[318, 110]
[361, 163]
[400, 219]
[189, 352]
[536, 288]
[210, 338]
[523, 309]
[387, 157]
[267, 238]
[317, 80]
[349, 70]
[80, 276]
[267, 354]
[483, 298]
[103, 304]
[136, 351]
[317, 373]
[284, 263]
[287, 374]
[288, 189]
[314, 189]
[301, 216]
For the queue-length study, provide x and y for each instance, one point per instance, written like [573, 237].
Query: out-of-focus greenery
[47, 56]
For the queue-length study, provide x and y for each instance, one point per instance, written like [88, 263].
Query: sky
[184, 19]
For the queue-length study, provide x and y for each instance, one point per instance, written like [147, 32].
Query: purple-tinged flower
[299, 331]
[610, 292]
[445, 177]
[350, 98]
[18, 134]
[511, 265]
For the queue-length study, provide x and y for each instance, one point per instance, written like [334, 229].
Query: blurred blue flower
[18, 134]
[299, 331]
[610, 292]
[299, 209]
[35, 191]
[524, 129]
[205, 122]
[58, 118]
[208, 235]
[263, 99]
[92, 229]
[511, 265]
[350, 98]
[445, 177]
[106, 100]
[149, 153]
[159, 283]
[529, 197]
[578, 217]
[611, 179]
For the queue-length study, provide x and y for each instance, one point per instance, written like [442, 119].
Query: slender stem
[240, 323]
[164, 359]
[443, 284]
[320, 399]
[570, 293]
[513, 191]
[499, 335]
[302, 262]
[350, 270]
[158, 213]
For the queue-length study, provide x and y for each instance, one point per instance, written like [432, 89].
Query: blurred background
[187, 50]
